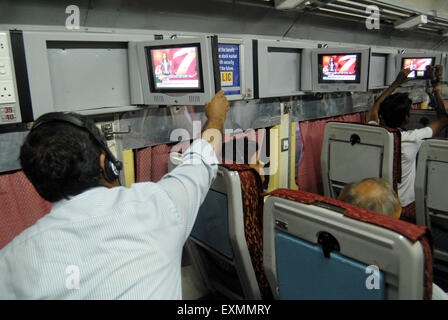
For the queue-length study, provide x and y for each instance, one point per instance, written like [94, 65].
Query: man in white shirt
[394, 111]
[101, 240]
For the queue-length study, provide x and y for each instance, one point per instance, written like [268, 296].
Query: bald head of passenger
[373, 194]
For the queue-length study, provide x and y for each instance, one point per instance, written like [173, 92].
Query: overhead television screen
[418, 65]
[343, 68]
[175, 68]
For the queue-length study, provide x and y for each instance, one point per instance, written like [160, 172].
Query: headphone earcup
[111, 172]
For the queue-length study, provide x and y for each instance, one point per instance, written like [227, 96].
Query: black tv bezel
[321, 67]
[151, 68]
[411, 57]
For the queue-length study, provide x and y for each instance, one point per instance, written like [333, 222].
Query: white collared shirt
[411, 141]
[118, 243]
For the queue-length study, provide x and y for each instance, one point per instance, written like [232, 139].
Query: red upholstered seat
[408, 213]
[397, 156]
[252, 196]
[411, 231]
[20, 206]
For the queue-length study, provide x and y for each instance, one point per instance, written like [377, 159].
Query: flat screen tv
[182, 71]
[417, 65]
[340, 69]
[175, 68]
[417, 61]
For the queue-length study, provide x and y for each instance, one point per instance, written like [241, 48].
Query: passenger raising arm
[216, 115]
[130, 239]
[401, 78]
[442, 122]
[188, 184]
[394, 110]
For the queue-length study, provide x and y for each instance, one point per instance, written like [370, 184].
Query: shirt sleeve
[188, 184]
[417, 136]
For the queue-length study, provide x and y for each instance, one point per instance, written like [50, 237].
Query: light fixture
[412, 22]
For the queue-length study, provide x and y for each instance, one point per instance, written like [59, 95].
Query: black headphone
[112, 165]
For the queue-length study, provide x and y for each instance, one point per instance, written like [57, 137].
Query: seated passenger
[374, 194]
[394, 111]
[377, 195]
[101, 240]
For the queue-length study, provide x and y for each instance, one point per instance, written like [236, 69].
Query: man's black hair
[61, 160]
[394, 109]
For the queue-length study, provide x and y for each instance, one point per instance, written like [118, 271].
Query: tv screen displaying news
[175, 68]
[418, 65]
[339, 67]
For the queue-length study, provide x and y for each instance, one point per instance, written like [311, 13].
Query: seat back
[320, 248]
[352, 152]
[431, 199]
[225, 245]
[20, 206]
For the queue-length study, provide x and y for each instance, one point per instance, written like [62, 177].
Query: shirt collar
[78, 197]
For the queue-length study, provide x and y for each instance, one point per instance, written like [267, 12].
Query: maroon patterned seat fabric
[397, 157]
[397, 153]
[252, 196]
[409, 213]
[20, 206]
[411, 231]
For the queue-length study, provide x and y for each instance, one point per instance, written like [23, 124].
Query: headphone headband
[75, 120]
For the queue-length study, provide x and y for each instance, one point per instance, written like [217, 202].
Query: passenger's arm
[188, 184]
[442, 120]
[401, 78]
[216, 115]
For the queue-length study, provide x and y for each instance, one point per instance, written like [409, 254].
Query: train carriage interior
[301, 79]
